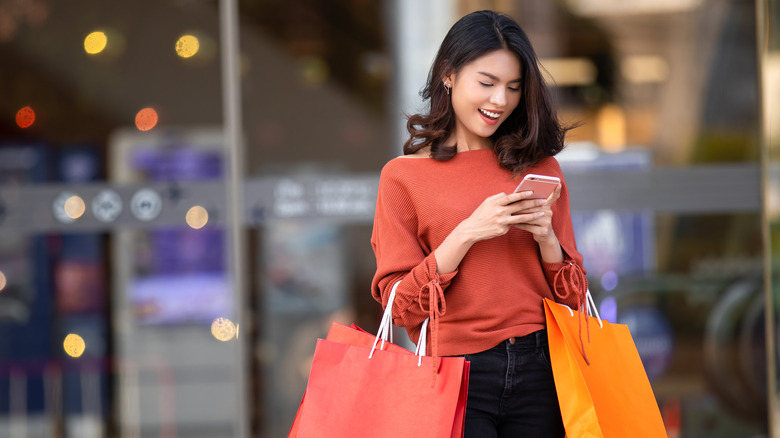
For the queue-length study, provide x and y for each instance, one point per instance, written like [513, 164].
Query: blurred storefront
[187, 191]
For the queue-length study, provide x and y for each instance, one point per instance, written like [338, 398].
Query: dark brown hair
[529, 134]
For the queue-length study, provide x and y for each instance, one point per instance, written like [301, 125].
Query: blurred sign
[146, 205]
[107, 205]
[609, 240]
[652, 335]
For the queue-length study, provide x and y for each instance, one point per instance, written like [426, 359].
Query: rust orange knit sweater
[497, 291]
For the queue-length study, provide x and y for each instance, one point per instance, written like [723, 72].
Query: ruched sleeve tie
[572, 279]
[437, 307]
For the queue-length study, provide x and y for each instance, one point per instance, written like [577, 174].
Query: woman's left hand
[541, 227]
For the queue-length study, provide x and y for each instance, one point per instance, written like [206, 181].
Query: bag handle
[385, 332]
[422, 344]
[591, 307]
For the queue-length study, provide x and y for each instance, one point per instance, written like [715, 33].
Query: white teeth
[489, 114]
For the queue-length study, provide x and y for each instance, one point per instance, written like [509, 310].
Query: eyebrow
[496, 78]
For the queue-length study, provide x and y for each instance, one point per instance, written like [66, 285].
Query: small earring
[446, 88]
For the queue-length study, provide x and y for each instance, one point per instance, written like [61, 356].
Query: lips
[490, 117]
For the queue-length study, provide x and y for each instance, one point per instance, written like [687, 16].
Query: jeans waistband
[531, 340]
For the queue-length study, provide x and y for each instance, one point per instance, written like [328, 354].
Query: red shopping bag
[349, 335]
[609, 395]
[357, 337]
[388, 395]
[383, 390]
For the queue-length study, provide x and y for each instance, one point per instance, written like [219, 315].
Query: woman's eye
[513, 89]
[486, 85]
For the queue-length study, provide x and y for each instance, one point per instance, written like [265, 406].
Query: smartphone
[541, 185]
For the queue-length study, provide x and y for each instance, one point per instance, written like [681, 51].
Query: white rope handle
[385, 332]
[591, 308]
[571, 312]
[422, 342]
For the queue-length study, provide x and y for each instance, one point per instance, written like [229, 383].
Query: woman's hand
[498, 213]
[494, 217]
[541, 226]
[541, 229]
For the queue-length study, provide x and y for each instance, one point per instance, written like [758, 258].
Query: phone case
[541, 185]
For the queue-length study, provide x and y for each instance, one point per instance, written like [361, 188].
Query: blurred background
[187, 190]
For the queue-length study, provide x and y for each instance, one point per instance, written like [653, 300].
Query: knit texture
[497, 290]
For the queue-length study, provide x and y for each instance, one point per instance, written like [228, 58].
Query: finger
[533, 229]
[529, 206]
[495, 197]
[526, 218]
[524, 207]
[554, 195]
[514, 197]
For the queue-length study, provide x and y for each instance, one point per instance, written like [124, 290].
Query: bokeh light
[223, 329]
[609, 280]
[74, 207]
[95, 42]
[74, 345]
[644, 69]
[611, 126]
[314, 70]
[146, 119]
[608, 309]
[197, 217]
[25, 117]
[3, 281]
[187, 46]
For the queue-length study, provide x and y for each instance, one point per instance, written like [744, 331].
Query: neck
[469, 143]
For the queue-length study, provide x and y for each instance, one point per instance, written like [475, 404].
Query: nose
[498, 97]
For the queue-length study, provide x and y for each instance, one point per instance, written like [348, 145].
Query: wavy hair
[530, 133]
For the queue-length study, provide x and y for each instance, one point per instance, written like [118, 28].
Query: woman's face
[484, 93]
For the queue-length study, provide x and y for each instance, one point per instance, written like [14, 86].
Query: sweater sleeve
[401, 256]
[567, 279]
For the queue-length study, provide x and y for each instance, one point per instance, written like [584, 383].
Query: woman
[470, 253]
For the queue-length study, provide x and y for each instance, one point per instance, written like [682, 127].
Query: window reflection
[120, 325]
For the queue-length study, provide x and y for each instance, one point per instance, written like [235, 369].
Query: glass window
[667, 98]
[119, 308]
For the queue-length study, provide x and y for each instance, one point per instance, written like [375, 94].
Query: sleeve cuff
[444, 279]
[574, 277]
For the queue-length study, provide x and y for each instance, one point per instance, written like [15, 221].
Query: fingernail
[540, 202]
[540, 214]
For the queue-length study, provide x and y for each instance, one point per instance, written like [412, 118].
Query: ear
[448, 80]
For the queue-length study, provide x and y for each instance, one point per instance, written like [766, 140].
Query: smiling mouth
[489, 114]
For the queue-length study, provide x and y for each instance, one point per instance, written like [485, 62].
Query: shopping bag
[361, 387]
[603, 389]
[353, 335]
[387, 395]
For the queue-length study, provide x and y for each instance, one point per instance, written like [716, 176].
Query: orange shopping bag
[392, 393]
[608, 397]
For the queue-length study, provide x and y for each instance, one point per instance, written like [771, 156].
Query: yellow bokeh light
[644, 69]
[74, 345]
[74, 207]
[95, 42]
[197, 217]
[223, 329]
[314, 70]
[611, 125]
[3, 281]
[187, 46]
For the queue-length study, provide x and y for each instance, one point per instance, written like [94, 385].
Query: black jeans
[511, 391]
